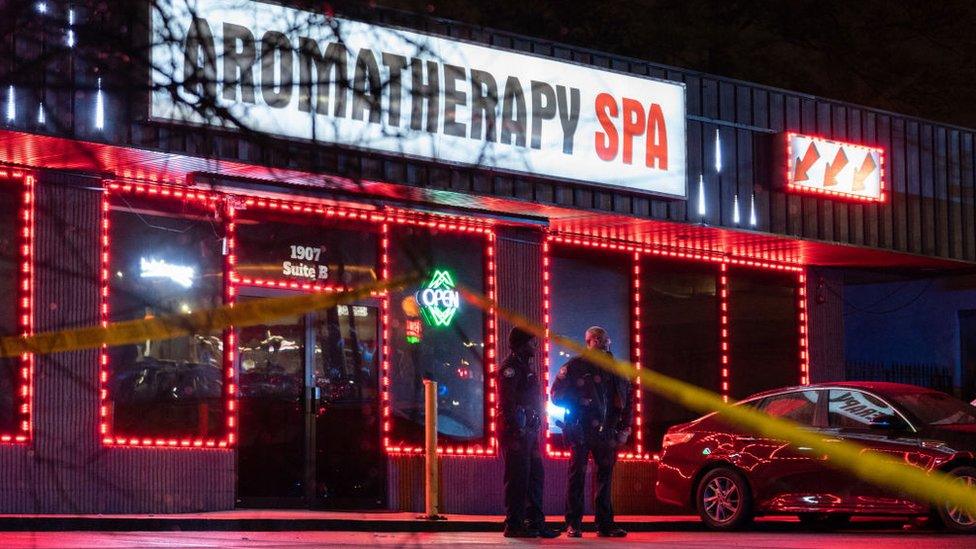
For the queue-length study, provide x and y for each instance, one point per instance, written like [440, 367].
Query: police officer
[599, 413]
[521, 411]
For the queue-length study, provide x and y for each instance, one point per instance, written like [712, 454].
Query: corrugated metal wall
[65, 468]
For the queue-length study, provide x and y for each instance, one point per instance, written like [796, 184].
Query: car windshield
[937, 408]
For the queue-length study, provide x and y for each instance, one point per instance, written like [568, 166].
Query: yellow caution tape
[247, 313]
[935, 487]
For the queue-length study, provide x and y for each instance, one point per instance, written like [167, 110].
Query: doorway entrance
[309, 424]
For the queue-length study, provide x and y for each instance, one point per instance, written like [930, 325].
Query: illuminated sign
[834, 168]
[304, 75]
[415, 331]
[159, 268]
[298, 269]
[439, 300]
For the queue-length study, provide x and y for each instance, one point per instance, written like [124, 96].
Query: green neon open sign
[439, 300]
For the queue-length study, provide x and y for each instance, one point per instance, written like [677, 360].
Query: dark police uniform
[521, 411]
[599, 411]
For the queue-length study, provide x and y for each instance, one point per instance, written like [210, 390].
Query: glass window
[435, 334]
[937, 408]
[165, 259]
[588, 287]
[764, 332]
[848, 409]
[10, 200]
[681, 340]
[799, 407]
[316, 250]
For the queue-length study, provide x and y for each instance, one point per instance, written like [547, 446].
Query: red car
[729, 476]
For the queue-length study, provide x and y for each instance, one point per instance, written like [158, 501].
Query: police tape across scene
[934, 487]
[249, 313]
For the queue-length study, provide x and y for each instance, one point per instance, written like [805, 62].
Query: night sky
[916, 58]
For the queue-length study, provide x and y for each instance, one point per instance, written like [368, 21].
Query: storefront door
[309, 423]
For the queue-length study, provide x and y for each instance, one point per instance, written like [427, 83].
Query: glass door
[309, 423]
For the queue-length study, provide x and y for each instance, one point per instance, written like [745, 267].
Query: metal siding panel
[899, 207]
[855, 211]
[778, 206]
[967, 166]
[927, 196]
[913, 186]
[794, 202]
[953, 162]
[941, 184]
[871, 210]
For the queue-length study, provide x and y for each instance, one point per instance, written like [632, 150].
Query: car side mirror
[886, 422]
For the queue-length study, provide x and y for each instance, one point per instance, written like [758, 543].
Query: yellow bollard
[431, 485]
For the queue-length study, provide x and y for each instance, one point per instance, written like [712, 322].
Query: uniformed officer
[521, 415]
[598, 417]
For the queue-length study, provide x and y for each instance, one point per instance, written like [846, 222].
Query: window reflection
[272, 407]
[447, 346]
[764, 333]
[165, 259]
[681, 338]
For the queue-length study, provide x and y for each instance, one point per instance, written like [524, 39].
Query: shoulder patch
[562, 373]
[508, 372]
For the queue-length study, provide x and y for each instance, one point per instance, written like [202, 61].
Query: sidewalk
[303, 520]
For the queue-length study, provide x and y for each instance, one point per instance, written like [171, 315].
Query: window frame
[489, 443]
[24, 309]
[216, 203]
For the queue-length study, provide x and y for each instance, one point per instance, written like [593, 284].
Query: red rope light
[639, 250]
[25, 302]
[723, 314]
[212, 201]
[804, 343]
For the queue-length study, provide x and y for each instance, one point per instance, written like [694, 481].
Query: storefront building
[697, 218]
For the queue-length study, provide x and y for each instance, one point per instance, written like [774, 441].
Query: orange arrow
[834, 168]
[809, 159]
[867, 167]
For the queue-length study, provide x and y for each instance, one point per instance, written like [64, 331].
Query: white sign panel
[835, 168]
[303, 75]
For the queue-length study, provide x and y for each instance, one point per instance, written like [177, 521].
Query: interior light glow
[41, 117]
[718, 152]
[99, 107]
[701, 195]
[736, 219]
[159, 268]
[11, 104]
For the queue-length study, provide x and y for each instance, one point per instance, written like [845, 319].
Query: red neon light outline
[724, 339]
[385, 219]
[640, 250]
[25, 303]
[491, 328]
[213, 201]
[828, 193]
[804, 342]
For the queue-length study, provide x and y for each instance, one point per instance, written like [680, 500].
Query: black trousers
[604, 457]
[524, 478]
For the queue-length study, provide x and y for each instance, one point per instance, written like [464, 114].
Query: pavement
[761, 537]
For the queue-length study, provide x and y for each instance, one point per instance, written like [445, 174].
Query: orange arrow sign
[809, 159]
[866, 169]
[834, 168]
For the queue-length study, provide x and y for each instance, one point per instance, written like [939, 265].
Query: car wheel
[824, 521]
[724, 500]
[953, 517]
